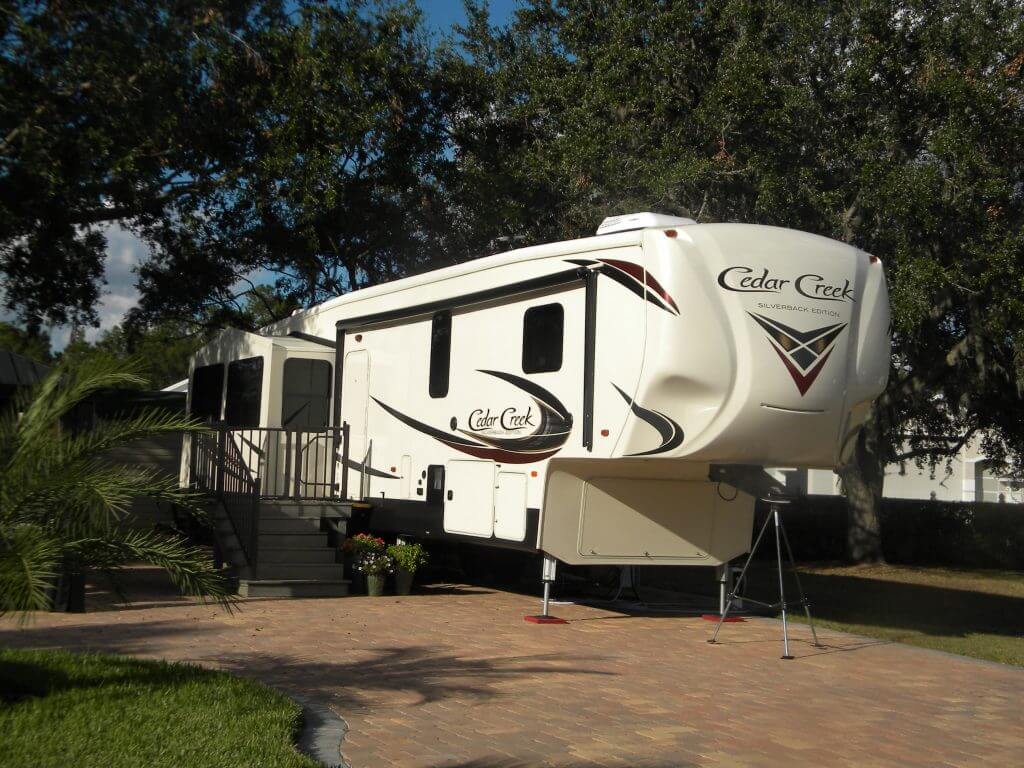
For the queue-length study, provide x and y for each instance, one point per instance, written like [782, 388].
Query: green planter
[403, 581]
[375, 584]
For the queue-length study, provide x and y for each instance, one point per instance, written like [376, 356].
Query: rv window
[542, 338]
[245, 389]
[440, 353]
[206, 389]
[306, 394]
[435, 483]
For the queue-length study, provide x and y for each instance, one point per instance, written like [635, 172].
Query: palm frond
[112, 434]
[62, 500]
[91, 493]
[29, 563]
[190, 568]
[62, 389]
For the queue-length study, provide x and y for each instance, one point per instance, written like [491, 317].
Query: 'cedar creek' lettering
[509, 419]
[746, 280]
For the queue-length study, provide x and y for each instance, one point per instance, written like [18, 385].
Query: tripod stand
[775, 517]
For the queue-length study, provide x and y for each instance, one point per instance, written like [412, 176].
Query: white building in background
[966, 477]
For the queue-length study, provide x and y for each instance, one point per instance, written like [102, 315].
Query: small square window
[542, 338]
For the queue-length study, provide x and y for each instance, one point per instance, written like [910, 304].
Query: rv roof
[543, 250]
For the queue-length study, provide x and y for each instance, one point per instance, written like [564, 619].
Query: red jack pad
[539, 619]
[716, 617]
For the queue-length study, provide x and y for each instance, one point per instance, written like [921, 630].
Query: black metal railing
[239, 466]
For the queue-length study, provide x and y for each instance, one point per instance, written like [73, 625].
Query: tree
[31, 344]
[338, 189]
[246, 141]
[63, 507]
[112, 112]
[898, 127]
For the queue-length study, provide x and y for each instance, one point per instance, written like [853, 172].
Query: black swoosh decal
[547, 439]
[358, 466]
[671, 433]
[649, 291]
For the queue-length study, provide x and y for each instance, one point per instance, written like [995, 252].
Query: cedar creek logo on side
[745, 280]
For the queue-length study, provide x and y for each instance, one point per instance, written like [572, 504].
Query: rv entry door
[469, 497]
[355, 397]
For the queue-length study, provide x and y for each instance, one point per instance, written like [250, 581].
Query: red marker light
[393, 469]
[604, 433]
[533, 473]
[671, 233]
[359, 337]
[874, 259]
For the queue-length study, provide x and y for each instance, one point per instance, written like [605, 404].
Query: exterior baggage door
[510, 506]
[469, 497]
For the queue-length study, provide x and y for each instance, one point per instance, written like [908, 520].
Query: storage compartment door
[653, 519]
[469, 498]
[510, 506]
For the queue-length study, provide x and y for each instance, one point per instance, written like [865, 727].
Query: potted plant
[408, 559]
[354, 548]
[376, 565]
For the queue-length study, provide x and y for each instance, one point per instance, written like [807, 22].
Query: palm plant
[63, 505]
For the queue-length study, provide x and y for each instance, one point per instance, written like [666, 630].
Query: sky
[442, 14]
[125, 251]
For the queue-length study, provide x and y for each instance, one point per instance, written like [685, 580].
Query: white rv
[585, 399]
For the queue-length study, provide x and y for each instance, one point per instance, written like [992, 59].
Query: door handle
[450, 495]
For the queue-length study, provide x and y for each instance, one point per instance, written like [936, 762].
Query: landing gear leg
[548, 576]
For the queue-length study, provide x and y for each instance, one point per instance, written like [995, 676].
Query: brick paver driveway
[457, 678]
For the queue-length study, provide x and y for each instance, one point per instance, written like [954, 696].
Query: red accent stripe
[499, 454]
[637, 273]
[653, 283]
[803, 380]
[631, 268]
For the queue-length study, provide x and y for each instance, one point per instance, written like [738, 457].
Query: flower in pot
[408, 558]
[362, 543]
[355, 549]
[376, 566]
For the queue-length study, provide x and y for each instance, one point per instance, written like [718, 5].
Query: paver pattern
[455, 677]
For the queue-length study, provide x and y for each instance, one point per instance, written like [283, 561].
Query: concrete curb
[322, 733]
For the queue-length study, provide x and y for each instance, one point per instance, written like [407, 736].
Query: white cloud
[124, 252]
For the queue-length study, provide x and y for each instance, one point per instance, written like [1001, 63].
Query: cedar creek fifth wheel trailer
[577, 398]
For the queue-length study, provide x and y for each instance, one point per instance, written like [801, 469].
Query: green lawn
[66, 709]
[970, 612]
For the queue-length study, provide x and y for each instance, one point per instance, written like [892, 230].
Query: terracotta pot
[375, 584]
[403, 581]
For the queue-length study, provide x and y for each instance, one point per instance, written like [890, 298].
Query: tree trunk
[76, 592]
[862, 475]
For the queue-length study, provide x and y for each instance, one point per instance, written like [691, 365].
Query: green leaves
[64, 505]
[896, 127]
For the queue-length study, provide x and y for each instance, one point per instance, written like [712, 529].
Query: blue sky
[125, 251]
[442, 14]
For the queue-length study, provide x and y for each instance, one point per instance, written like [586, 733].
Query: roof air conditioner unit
[631, 221]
